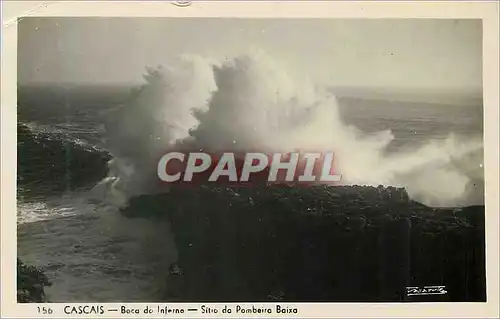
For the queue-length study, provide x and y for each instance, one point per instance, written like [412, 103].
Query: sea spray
[250, 103]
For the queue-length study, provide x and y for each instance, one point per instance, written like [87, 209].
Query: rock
[30, 283]
[316, 243]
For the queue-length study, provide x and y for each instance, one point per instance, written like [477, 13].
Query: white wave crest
[250, 102]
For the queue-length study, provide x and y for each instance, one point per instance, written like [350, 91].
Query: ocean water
[87, 248]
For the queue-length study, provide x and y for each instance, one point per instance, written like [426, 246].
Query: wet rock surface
[321, 243]
[50, 163]
[30, 283]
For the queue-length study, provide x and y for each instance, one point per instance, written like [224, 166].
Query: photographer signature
[426, 290]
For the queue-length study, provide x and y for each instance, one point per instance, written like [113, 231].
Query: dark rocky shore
[30, 283]
[282, 243]
[349, 244]
[49, 163]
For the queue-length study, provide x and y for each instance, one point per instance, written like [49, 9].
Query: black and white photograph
[398, 101]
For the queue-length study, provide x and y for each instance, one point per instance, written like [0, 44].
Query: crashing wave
[250, 102]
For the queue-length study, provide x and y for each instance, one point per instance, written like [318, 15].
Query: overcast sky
[396, 54]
